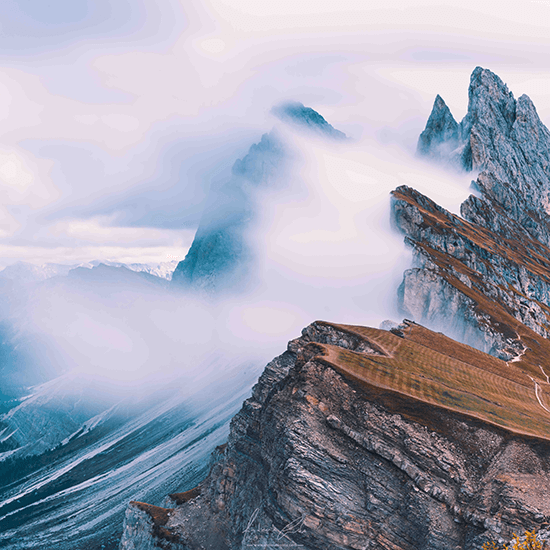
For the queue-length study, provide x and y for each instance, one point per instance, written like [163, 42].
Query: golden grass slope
[431, 368]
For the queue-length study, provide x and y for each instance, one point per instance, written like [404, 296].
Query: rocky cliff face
[474, 271]
[470, 281]
[333, 460]
[405, 439]
[505, 141]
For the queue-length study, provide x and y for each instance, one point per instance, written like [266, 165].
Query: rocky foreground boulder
[362, 438]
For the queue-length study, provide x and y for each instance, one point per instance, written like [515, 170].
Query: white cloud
[121, 122]
[371, 68]
[13, 172]
[212, 45]
[86, 119]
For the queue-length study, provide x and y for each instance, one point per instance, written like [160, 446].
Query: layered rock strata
[473, 283]
[333, 453]
[360, 438]
[475, 271]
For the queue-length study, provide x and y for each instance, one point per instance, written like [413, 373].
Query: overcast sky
[116, 116]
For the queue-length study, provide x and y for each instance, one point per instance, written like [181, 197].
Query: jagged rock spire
[506, 141]
[440, 128]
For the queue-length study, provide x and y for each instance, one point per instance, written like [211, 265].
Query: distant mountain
[115, 275]
[164, 270]
[24, 272]
[221, 257]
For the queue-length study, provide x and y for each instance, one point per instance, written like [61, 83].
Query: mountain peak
[489, 82]
[490, 102]
[298, 114]
[440, 128]
[506, 141]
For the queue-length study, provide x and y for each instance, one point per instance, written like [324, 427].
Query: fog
[117, 126]
[325, 250]
[120, 123]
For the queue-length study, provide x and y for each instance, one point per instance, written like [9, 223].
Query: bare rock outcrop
[504, 140]
[332, 463]
[359, 438]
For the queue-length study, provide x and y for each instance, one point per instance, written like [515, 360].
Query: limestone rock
[337, 465]
[441, 137]
[220, 256]
[505, 141]
[408, 440]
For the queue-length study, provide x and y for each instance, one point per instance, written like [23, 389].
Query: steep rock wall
[318, 460]
[344, 466]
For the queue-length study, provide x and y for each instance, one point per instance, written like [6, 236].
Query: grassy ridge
[452, 376]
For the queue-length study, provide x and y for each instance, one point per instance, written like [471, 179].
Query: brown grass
[523, 251]
[435, 370]
[159, 515]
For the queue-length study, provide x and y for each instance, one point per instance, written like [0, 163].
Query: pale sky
[117, 116]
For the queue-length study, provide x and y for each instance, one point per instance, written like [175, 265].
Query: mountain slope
[69, 488]
[362, 438]
[351, 440]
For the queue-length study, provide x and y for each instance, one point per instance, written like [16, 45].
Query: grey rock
[306, 118]
[505, 141]
[334, 465]
[336, 468]
[440, 139]
[138, 531]
[451, 254]
[146, 528]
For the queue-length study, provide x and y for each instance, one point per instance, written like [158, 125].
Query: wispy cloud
[132, 111]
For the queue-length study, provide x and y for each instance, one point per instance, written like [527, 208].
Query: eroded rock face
[505, 141]
[472, 271]
[306, 119]
[440, 139]
[334, 464]
[351, 468]
[138, 531]
[469, 280]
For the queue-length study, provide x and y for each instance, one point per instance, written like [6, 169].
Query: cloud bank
[118, 117]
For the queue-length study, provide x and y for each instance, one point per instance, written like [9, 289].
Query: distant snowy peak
[304, 117]
[24, 272]
[164, 270]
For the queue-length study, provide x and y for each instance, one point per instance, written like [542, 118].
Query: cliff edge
[408, 439]
[363, 438]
